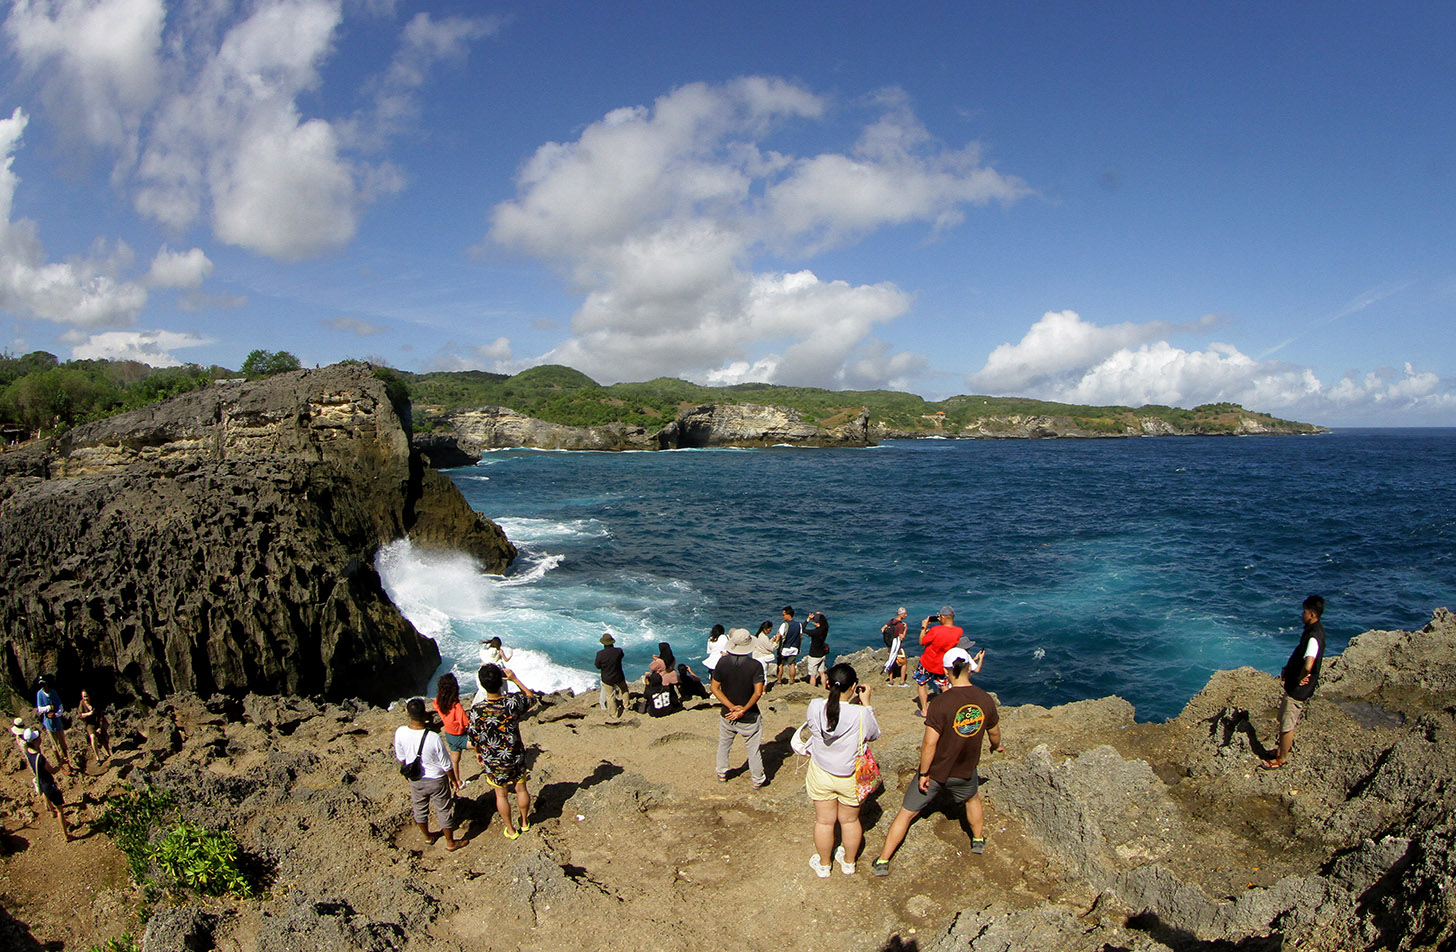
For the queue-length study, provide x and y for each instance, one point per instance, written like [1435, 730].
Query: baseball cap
[960, 654]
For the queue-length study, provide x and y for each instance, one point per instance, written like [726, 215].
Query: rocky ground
[1105, 834]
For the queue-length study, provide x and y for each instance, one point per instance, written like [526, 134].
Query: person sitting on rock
[664, 663]
[437, 779]
[661, 699]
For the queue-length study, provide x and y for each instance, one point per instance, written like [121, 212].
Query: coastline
[1103, 831]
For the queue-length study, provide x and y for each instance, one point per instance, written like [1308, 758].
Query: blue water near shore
[1085, 568]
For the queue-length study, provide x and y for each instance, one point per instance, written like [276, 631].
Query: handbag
[866, 767]
[415, 769]
[800, 741]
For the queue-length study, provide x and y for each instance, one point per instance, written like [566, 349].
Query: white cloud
[149, 347]
[97, 61]
[84, 292]
[179, 269]
[661, 216]
[1064, 358]
[202, 105]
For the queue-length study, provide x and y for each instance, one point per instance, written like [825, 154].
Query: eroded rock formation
[223, 541]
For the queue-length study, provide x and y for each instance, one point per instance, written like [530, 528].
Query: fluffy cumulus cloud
[84, 292]
[179, 269]
[149, 347]
[201, 105]
[665, 218]
[1064, 358]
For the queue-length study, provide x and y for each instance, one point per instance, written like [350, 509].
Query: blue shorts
[929, 680]
[456, 742]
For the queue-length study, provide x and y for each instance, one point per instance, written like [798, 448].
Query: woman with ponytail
[839, 726]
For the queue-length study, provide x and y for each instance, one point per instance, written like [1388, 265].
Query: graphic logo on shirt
[969, 720]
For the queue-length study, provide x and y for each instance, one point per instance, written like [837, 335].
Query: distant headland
[459, 415]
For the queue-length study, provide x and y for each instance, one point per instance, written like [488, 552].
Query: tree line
[40, 394]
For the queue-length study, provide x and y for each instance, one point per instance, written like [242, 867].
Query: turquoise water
[1085, 568]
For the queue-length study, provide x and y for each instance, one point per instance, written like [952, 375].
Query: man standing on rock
[52, 717]
[894, 632]
[1301, 677]
[738, 684]
[614, 682]
[436, 778]
[937, 640]
[959, 719]
[790, 638]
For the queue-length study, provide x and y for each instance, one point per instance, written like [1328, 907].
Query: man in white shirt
[437, 778]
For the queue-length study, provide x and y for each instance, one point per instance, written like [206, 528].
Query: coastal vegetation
[41, 395]
[169, 855]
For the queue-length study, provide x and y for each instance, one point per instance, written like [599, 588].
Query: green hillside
[562, 395]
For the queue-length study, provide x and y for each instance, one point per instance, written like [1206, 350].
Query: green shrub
[204, 860]
[185, 857]
[126, 943]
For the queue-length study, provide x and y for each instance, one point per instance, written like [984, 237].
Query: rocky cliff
[1104, 833]
[223, 541]
[465, 434]
[1039, 426]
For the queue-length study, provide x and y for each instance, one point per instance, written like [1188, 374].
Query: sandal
[1273, 765]
[511, 834]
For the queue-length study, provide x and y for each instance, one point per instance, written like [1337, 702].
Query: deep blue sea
[1133, 567]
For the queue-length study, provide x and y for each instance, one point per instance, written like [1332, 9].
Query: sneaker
[819, 868]
[881, 867]
[760, 784]
[978, 844]
[722, 778]
[845, 868]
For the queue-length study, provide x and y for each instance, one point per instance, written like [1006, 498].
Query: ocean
[1134, 567]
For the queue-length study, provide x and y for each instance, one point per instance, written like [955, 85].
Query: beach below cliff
[1103, 832]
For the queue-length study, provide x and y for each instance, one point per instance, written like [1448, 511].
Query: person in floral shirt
[495, 730]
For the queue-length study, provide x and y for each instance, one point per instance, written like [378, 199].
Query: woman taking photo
[837, 732]
[496, 733]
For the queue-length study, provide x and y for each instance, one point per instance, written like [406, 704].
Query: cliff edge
[223, 541]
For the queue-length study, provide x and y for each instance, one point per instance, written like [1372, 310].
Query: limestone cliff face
[224, 541]
[466, 434]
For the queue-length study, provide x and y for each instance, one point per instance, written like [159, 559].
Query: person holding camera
[837, 732]
[938, 634]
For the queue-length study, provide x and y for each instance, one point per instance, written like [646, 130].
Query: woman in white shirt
[837, 733]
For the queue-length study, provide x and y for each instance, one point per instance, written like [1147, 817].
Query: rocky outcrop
[1030, 426]
[223, 541]
[463, 435]
[723, 424]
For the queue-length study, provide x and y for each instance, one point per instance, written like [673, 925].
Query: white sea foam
[527, 532]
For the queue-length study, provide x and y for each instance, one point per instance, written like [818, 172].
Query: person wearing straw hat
[614, 682]
[738, 683]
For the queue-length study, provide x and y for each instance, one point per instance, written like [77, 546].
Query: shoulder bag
[415, 769]
[866, 768]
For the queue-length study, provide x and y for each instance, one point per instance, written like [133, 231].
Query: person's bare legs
[975, 816]
[503, 807]
[1286, 744]
[523, 803]
[826, 814]
[851, 834]
[924, 696]
[898, 828]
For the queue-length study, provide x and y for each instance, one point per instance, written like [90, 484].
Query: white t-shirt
[835, 753]
[433, 755]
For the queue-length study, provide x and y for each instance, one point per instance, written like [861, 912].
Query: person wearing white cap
[738, 683]
[45, 781]
[958, 721]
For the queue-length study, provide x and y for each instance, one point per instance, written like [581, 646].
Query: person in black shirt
[738, 685]
[614, 682]
[1300, 676]
[816, 626]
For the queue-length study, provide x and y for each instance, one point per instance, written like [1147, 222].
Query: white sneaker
[820, 870]
[845, 868]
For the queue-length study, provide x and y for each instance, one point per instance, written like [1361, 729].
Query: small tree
[266, 363]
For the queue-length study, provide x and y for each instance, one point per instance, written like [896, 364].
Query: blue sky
[1131, 203]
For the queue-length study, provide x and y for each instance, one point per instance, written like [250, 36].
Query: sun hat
[607, 639]
[740, 642]
[30, 735]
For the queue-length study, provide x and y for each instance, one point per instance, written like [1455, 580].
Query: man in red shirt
[937, 639]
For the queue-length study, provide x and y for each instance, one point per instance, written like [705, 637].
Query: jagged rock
[719, 424]
[485, 428]
[223, 541]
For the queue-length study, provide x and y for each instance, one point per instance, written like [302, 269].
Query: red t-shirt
[937, 641]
